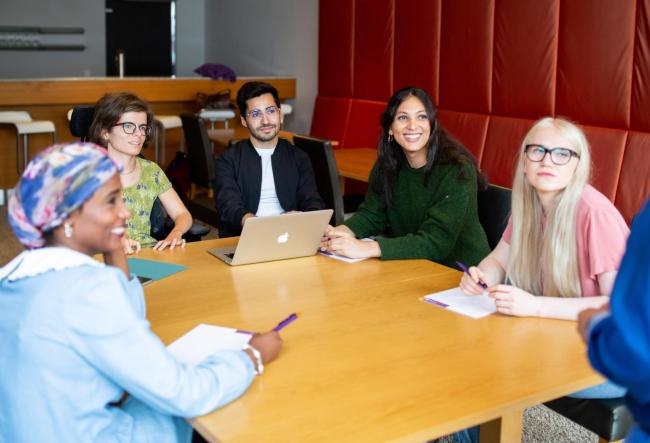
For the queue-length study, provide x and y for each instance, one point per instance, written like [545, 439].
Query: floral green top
[139, 199]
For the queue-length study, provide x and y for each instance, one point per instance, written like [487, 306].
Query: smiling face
[99, 224]
[547, 178]
[411, 130]
[265, 128]
[121, 143]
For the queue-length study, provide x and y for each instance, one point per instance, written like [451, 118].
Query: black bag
[220, 100]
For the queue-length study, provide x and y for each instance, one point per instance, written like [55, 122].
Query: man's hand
[584, 317]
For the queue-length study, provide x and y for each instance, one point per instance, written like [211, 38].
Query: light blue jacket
[74, 339]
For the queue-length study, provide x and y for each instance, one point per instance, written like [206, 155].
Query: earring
[390, 138]
[67, 230]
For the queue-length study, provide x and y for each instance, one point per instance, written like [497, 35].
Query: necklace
[132, 169]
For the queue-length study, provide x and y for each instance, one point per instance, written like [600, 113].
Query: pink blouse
[602, 233]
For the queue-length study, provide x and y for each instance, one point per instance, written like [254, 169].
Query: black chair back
[199, 151]
[494, 205]
[325, 172]
[80, 121]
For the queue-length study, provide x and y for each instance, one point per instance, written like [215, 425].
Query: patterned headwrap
[55, 183]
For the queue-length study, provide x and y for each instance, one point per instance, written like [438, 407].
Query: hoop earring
[390, 138]
[67, 230]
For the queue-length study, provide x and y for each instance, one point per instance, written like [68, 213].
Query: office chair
[201, 168]
[161, 225]
[608, 418]
[494, 205]
[325, 172]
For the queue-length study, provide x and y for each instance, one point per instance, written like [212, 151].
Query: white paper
[205, 340]
[343, 257]
[340, 257]
[475, 306]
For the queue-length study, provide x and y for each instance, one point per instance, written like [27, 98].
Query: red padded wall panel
[640, 118]
[363, 125]
[606, 157]
[373, 49]
[469, 129]
[502, 144]
[634, 182]
[525, 57]
[335, 47]
[594, 78]
[330, 118]
[466, 55]
[417, 45]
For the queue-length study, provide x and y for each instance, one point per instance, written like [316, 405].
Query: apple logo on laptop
[283, 238]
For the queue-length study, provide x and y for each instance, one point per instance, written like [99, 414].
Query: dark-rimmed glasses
[559, 156]
[256, 114]
[129, 128]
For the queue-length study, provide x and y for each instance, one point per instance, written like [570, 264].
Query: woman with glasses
[122, 124]
[564, 239]
[422, 192]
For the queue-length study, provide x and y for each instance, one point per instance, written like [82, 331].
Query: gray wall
[190, 36]
[254, 37]
[88, 14]
[275, 38]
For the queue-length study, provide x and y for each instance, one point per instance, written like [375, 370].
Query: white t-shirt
[269, 203]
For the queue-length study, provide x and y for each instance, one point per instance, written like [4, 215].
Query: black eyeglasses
[129, 128]
[256, 114]
[559, 156]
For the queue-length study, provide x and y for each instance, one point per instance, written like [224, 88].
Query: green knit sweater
[437, 221]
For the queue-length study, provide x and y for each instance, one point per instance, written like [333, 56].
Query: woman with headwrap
[73, 332]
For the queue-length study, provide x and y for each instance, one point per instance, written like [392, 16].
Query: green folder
[152, 269]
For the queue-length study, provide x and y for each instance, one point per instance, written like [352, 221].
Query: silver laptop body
[276, 237]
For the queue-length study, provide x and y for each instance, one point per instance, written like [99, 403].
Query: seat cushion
[609, 418]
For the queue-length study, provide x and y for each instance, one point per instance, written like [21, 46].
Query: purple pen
[286, 321]
[466, 271]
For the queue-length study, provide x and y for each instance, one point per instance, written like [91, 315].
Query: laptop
[276, 237]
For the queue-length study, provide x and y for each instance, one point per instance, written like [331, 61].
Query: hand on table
[175, 238]
[585, 316]
[268, 343]
[511, 300]
[130, 246]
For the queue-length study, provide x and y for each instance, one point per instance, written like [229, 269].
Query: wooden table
[355, 163]
[367, 361]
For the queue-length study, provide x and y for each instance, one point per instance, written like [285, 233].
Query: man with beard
[263, 175]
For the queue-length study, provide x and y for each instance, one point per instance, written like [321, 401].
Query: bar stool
[164, 122]
[286, 109]
[22, 121]
[213, 115]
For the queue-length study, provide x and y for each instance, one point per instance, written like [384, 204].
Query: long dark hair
[441, 146]
[109, 110]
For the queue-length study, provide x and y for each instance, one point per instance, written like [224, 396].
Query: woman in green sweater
[421, 194]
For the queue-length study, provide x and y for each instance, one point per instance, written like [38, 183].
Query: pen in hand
[286, 321]
[480, 282]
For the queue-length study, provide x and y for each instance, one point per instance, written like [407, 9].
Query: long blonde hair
[544, 261]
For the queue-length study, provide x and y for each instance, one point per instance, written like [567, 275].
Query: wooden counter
[50, 99]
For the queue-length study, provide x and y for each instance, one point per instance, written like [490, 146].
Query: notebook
[277, 237]
[475, 306]
[148, 271]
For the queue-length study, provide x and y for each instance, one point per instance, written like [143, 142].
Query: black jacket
[239, 181]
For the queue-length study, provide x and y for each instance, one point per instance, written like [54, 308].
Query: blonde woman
[564, 240]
